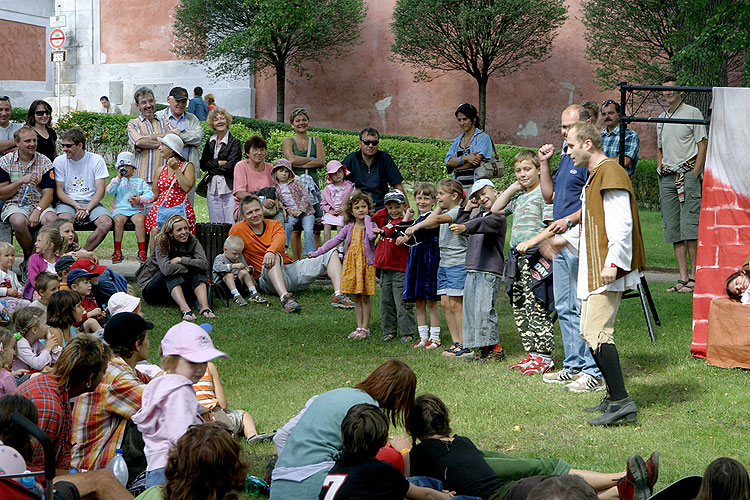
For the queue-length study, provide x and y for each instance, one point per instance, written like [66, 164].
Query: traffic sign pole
[56, 41]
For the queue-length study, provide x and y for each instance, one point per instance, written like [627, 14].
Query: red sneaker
[525, 361]
[142, 257]
[117, 257]
[538, 365]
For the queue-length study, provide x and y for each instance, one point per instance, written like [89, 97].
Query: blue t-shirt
[568, 183]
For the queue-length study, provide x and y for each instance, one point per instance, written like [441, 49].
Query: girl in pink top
[334, 195]
[48, 246]
[252, 174]
[169, 405]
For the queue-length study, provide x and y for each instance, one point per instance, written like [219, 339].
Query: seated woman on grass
[462, 468]
[177, 270]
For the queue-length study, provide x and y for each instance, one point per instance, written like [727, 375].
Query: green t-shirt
[529, 215]
[313, 152]
[153, 493]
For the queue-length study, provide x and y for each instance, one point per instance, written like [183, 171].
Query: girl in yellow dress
[358, 273]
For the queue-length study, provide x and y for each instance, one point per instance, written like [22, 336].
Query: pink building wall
[366, 89]
[24, 51]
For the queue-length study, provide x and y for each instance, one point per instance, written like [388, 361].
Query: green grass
[689, 411]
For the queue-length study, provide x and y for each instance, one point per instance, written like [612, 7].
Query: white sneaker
[586, 383]
[561, 377]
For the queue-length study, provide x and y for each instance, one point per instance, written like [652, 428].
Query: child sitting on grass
[130, 193]
[358, 474]
[62, 266]
[10, 288]
[531, 215]
[391, 259]
[32, 353]
[70, 240]
[169, 405]
[63, 311]
[210, 394]
[46, 285]
[80, 281]
[296, 200]
[48, 246]
[8, 382]
[231, 267]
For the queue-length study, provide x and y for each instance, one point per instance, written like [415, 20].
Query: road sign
[56, 38]
[57, 22]
[58, 56]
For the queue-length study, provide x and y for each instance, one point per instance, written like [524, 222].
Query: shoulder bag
[490, 168]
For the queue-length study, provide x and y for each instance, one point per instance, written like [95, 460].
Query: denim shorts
[450, 281]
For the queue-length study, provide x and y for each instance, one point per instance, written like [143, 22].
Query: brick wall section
[723, 245]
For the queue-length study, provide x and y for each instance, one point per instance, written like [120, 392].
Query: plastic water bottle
[29, 482]
[119, 468]
[255, 486]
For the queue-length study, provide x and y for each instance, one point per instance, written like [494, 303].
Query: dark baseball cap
[64, 263]
[124, 328]
[76, 274]
[178, 93]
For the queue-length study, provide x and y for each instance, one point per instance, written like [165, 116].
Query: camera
[123, 171]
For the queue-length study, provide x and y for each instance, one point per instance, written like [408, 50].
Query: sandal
[688, 287]
[388, 337]
[208, 313]
[188, 316]
[677, 286]
[362, 333]
[354, 334]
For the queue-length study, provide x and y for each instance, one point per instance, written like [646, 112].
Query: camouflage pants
[532, 318]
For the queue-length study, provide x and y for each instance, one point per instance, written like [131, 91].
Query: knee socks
[608, 362]
[424, 332]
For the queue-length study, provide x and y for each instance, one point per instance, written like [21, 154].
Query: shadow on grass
[664, 394]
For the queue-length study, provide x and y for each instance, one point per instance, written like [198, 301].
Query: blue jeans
[565, 280]
[155, 477]
[308, 221]
[435, 484]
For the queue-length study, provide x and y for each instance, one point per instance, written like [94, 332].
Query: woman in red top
[174, 180]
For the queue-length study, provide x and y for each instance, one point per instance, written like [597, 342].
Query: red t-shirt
[388, 255]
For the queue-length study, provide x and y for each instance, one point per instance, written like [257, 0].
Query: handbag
[490, 168]
[163, 213]
[202, 188]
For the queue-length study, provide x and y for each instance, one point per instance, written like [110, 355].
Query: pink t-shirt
[249, 180]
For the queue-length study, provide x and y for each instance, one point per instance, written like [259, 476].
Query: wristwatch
[568, 223]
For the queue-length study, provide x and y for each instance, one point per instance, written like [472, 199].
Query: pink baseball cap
[191, 342]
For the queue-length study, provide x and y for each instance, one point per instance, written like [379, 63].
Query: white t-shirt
[79, 177]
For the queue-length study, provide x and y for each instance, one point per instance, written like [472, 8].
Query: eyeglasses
[212, 425]
[67, 144]
[42, 112]
[368, 142]
[299, 111]
[608, 102]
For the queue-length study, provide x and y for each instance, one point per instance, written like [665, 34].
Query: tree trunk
[482, 83]
[280, 94]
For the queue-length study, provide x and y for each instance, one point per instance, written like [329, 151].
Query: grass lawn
[689, 411]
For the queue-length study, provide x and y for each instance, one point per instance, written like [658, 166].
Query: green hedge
[419, 159]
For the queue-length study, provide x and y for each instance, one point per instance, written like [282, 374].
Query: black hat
[124, 328]
[179, 93]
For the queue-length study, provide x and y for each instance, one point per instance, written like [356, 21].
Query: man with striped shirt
[144, 132]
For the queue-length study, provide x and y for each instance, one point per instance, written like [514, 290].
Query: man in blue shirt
[372, 171]
[611, 137]
[579, 373]
[197, 105]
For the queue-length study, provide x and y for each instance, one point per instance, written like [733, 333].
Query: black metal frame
[643, 292]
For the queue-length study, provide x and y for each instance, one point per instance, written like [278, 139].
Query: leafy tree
[232, 37]
[479, 37]
[704, 42]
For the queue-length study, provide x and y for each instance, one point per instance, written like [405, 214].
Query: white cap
[479, 185]
[122, 302]
[125, 158]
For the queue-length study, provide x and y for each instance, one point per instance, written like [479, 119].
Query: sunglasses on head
[210, 424]
[42, 112]
[368, 142]
[608, 102]
[299, 111]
